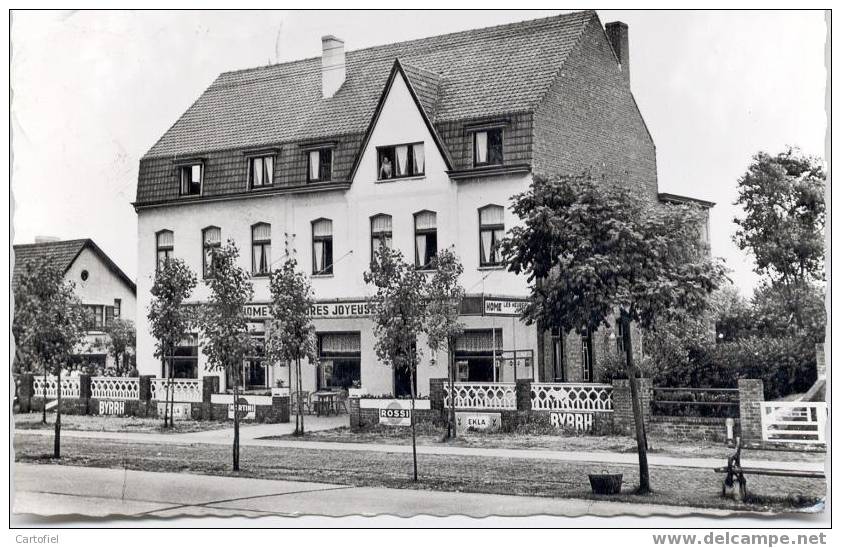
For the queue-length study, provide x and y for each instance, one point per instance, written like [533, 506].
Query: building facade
[418, 146]
[104, 289]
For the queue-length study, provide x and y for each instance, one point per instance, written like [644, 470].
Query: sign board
[485, 422]
[396, 413]
[180, 411]
[112, 407]
[348, 309]
[581, 422]
[497, 307]
[244, 410]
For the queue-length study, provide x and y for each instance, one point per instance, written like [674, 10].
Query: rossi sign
[582, 422]
[396, 413]
[486, 422]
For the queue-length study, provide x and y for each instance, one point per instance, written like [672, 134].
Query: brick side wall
[589, 120]
[751, 395]
[693, 428]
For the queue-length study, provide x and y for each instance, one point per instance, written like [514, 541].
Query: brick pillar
[144, 395]
[751, 395]
[209, 386]
[623, 412]
[84, 394]
[26, 390]
[523, 394]
[354, 412]
[436, 395]
[646, 390]
[280, 408]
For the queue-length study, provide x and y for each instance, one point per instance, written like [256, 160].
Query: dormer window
[191, 179]
[487, 147]
[320, 165]
[398, 161]
[261, 171]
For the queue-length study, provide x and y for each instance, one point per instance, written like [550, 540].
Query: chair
[304, 397]
[341, 401]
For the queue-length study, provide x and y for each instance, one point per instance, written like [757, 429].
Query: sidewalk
[250, 436]
[63, 490]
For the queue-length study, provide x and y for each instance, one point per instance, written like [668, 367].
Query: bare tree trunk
[452, 380]
[44, 407]
[292, 390]
[639, 425]
[57, 437]
[236, 420]
[412, 420]
[171, 391]
[300, 388]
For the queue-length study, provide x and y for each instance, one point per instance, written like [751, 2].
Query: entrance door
[402, 383]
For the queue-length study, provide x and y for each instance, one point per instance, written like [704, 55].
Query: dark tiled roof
[62, 254]
[470, 74]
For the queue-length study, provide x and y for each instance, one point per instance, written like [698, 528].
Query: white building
[100, 284]
[418, 145]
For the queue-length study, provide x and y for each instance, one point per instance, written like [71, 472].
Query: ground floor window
[474, 355]
[339, 360]
[558, 358]
[184, 359]
[587, 355]
[254, 374]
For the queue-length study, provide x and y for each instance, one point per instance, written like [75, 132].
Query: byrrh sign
[348, 309]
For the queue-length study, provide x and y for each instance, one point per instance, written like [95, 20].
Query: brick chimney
[617, 34]
[332, 65]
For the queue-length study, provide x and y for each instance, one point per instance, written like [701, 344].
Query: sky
[93, 91]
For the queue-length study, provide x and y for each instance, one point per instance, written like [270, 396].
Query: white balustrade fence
[552, 396]
[794, 422]
[115, 388]
[69, 387]
[183, 390]
[492, 395]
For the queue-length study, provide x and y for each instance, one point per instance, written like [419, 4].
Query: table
[325, 398]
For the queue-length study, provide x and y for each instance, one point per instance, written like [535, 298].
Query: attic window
[398, 161]
[487, 147]
[261, 171]
[319, 165]
[191, 179]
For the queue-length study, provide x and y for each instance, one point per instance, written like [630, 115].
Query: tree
[783, 225]
[445, 294]
[224, 323]
[48, 324]
[290, 336]
[121, 341]
[591, 248]
[399, 315]
[169, 319]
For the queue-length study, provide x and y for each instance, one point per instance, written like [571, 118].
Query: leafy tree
[48, 324]
[224, 323]
[290, 336]
[399, 316]
[445, 294]
[783, 225]
[169, 319]
[121, 343]
[590, 247]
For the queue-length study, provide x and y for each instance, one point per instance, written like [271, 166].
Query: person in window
[386, 169]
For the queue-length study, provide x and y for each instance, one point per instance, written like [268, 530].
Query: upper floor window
[261, 171]
[320, 165]
[322, 247]
[261, 249]
[400, 161]
[96, 316]
[491, 231]
[487, 147]
[165, 243]
[191, 179]
[426, 239]
[380, 233]
[211, 241]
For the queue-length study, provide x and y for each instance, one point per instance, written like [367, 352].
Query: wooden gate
[794, 422]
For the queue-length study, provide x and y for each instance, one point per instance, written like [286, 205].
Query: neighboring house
[417, 145]
[102, 287]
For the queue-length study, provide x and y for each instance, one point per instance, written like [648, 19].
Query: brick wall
[623, 412]
[590, 120]
[751, 396]
[694, 428]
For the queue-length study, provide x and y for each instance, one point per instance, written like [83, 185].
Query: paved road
[252, 436]
[69, 490]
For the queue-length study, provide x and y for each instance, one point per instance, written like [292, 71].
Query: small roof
[63, 253]
[678, 199]
[480, 72]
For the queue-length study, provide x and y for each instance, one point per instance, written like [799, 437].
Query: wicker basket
[606, 484]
